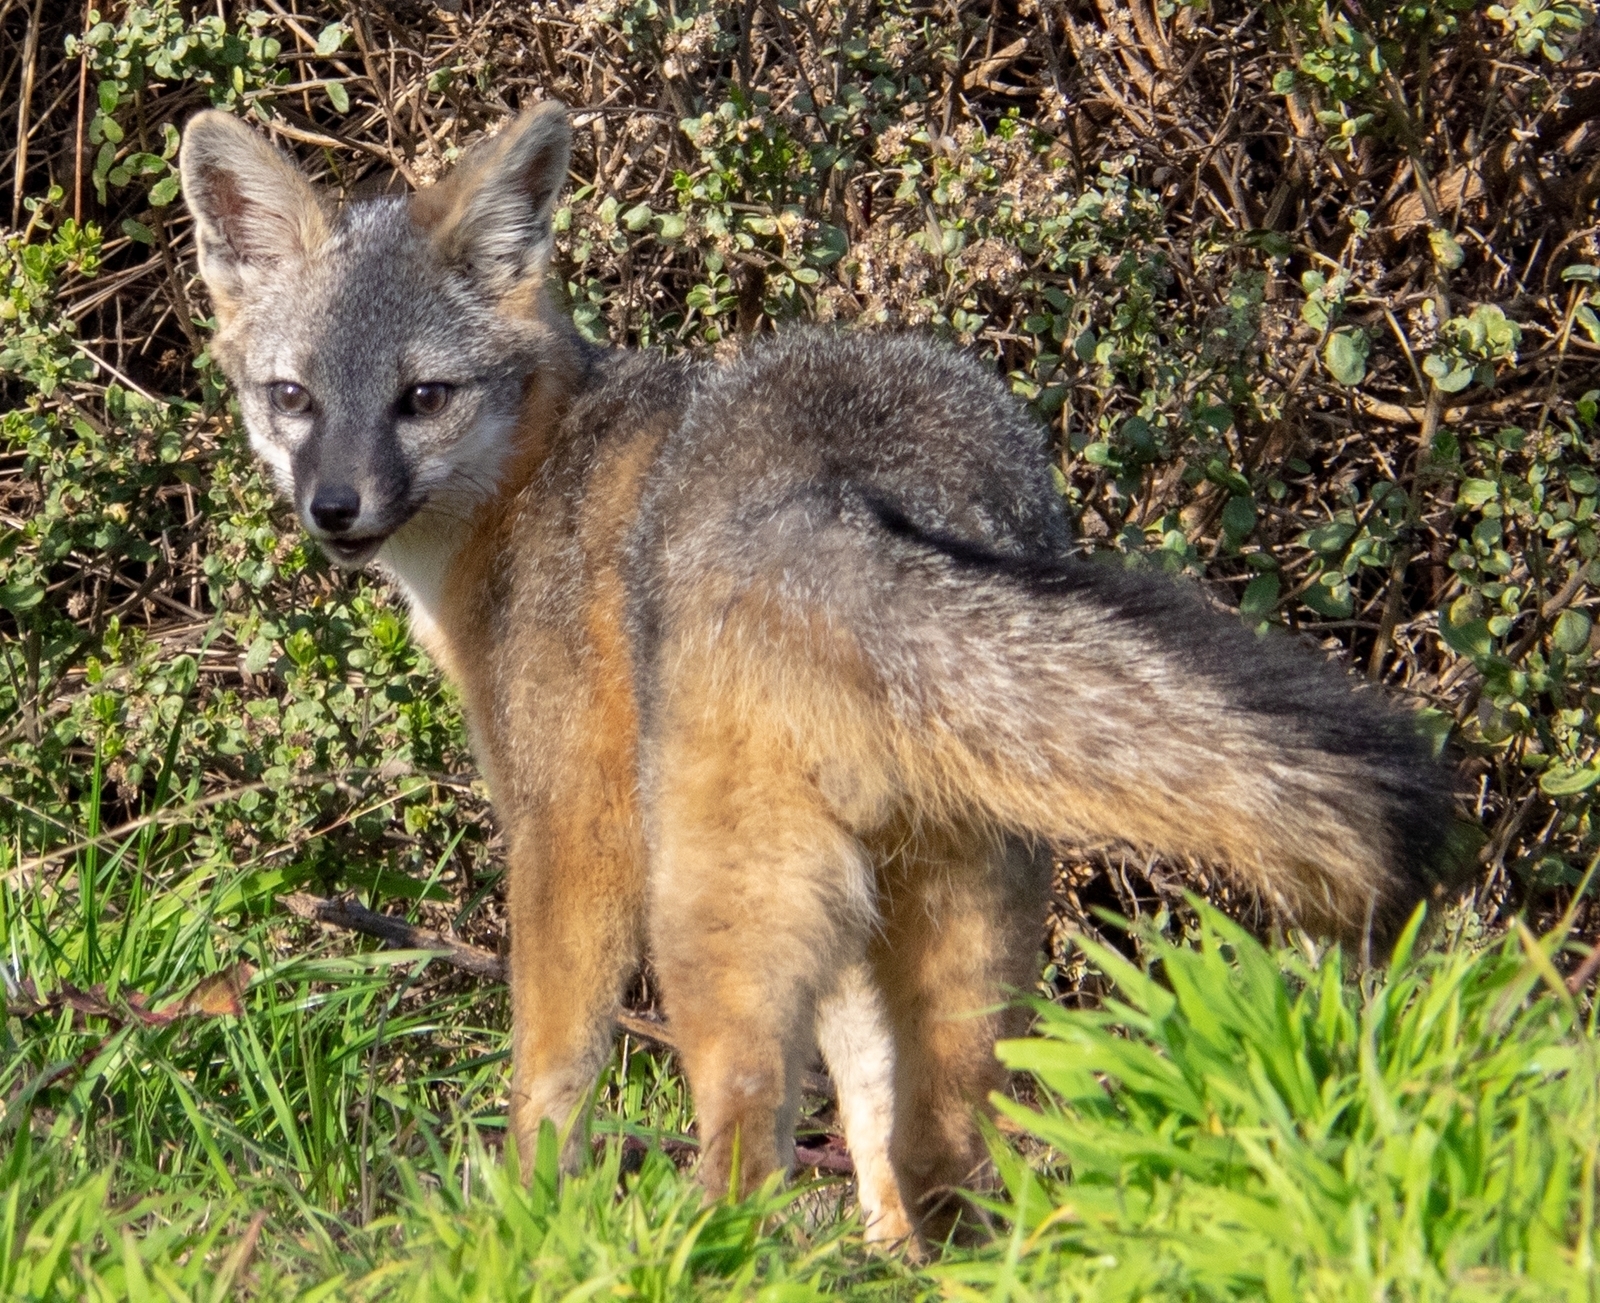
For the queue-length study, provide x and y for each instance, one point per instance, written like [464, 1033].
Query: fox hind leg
[962, 913]
[756, 894]
[857, 1043]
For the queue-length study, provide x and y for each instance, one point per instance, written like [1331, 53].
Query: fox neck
[418, 558]
[425, 558]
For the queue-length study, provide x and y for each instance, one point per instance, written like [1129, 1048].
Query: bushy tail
[1074, 701]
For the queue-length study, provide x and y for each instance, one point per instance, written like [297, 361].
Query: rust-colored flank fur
[782, 671]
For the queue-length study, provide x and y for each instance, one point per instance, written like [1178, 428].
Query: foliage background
[1307, 293]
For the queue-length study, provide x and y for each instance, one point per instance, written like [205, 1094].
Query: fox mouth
[352, 553]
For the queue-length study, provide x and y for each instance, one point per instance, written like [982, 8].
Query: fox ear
[491, 215]
[253, 210]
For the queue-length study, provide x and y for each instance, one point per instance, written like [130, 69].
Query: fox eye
[424, 400]
[289, 398]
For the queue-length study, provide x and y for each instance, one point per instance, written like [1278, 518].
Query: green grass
[1236, 1122]
[1282, 1130]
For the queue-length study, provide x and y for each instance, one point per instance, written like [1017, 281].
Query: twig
[396, 931]
[396, 131]
[1563, 599]
[646, 1028]
[77, 140]
[174, 817]
[239, 1256]
[30, 60]
[1403, 549]
[1584, 971]
[164, 245]
[128, 383]
[284, 128]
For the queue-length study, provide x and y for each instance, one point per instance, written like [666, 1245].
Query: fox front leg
[574, 896]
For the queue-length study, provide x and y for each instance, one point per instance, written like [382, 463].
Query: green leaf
[138, 231]
[637, 217]
[1588, 407]
[1330, 538]
[1500, 333]
[331, 38]
[107, 93]
[1223, 475]
[1239, 516]
[377, 880]
[1345, 355]
[1435, 725]
[1330, 596]
[1137, 435]
[21, 595]
[1447, 253]
[1260, 597]
[1585, 317]
[1450, 375]
[1471, 639]
[259, 656]
[164, 191]
[1571, 631]
[338, 96]
[1476, 492]
[1569, 780]
[831, 244]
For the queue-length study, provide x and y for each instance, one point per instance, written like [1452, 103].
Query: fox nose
[335, 508]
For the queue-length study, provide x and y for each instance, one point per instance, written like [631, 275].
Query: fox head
[380, 352]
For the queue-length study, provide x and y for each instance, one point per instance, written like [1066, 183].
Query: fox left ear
[491, 216]
[253, 210]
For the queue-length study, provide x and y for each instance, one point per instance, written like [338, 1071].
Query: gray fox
[778, 669]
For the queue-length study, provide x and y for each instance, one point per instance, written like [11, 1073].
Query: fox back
[781, 670]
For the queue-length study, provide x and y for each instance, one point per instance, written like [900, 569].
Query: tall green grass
[1243, 1124]
[205, 1099]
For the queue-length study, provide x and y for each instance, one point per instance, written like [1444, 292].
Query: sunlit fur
[780, 670]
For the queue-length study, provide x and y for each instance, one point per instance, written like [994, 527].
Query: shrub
[1330, 361]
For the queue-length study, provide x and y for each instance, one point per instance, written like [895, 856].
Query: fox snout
[335, 508]
[333, 512]
[351, 493]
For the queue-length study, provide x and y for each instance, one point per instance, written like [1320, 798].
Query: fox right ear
[491, 216]
[252, 208]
